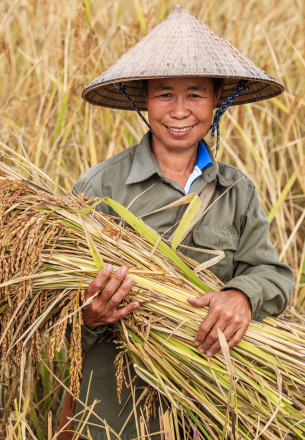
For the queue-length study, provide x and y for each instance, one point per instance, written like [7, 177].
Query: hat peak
[179, 10]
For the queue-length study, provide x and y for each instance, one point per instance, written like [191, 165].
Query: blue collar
[203, 157]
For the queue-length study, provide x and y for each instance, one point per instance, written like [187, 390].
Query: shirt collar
[212, 172]
[146, 165]
[203, 157]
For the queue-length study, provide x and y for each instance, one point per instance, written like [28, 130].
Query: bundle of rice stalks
[51, 249]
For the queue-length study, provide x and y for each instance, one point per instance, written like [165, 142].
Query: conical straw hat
[180, 46]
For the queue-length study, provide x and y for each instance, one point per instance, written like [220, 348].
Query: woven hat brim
[180, 46]
[108, 95]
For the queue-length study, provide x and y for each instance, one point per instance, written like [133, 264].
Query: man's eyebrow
[197, 88]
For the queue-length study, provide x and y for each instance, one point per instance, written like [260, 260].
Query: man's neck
[176, 164]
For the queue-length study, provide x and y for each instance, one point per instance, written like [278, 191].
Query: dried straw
[51, 249]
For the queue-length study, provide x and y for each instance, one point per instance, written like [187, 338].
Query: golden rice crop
[51, 248]
[51, 50]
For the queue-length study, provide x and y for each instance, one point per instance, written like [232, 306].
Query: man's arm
[261, 285]
[266, 281]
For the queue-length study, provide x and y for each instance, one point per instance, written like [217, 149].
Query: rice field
[49, 51]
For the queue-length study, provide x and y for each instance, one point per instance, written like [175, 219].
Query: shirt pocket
[217, 238]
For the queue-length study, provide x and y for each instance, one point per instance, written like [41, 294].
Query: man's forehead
[187, 83]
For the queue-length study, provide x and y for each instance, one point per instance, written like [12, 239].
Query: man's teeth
[179, 130]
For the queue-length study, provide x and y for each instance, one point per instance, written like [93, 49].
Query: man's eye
[193, 95]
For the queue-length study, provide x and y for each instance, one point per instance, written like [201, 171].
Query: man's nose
[180, 109]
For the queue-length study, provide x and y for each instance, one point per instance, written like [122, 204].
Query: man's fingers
[99, 281]
[211, 344]
[205, 329]
[232, 334]
[210, 340]
[120, 294]
[113, 284]
[237, 337]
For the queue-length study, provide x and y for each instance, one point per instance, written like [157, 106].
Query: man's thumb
[201, 301]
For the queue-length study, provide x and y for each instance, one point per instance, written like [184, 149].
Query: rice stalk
[50, 248]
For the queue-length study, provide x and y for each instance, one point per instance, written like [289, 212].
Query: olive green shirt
[235, 224]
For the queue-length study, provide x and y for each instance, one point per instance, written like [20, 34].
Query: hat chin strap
[238, 89]
[122, 89]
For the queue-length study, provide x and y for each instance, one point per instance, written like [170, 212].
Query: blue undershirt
[203, 161]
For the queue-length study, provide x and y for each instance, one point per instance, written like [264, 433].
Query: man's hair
[217, 84]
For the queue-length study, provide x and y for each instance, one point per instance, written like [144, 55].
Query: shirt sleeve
[88, 337]
[84, 185]
[259, 274]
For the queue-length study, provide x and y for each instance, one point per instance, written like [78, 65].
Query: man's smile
[177, 132]
[180, 130]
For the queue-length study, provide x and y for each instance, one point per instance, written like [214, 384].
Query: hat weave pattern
[180, 46]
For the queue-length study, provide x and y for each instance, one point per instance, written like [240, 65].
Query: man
[180, 88]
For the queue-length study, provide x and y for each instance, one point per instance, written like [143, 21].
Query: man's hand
[103, 309]
[230, 311]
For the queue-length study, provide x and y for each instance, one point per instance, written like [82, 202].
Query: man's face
[180, 111]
